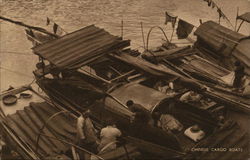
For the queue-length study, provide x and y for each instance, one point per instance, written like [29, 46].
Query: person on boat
[239, 74]
[167, 122]
[141, 115]
[161, 86]
[108, 136]
[86, 135]
[190, 96]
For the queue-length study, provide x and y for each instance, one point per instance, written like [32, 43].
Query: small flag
[30, 34]
[48, 21]
[55, 27]
[200, 21]
[209, 3]
[221, 14]
[171, 19]
[184, 29]
[213, 4]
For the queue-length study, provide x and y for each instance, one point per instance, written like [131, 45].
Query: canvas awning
[80, 47]
[217, 38]
[147, 97]
[224, 42]
[37, 119]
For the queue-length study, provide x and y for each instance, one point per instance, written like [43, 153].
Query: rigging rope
[219, 10]
[151, 31]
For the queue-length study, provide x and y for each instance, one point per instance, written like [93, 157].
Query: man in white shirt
[190, 96]
[108, 136]
[86, 134]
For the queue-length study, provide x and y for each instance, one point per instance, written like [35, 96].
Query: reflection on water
[75, 14]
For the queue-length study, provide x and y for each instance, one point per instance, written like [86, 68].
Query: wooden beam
[93, 75]
[122, 76]
[14, 91]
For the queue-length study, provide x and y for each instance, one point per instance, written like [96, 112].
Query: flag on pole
[184, 29]
[221, 14]
[171, 19]
[55, 27]
[209, 3]
[29, 32]
[48, 21]
[31, 36]
[213, 4]
[58, 30]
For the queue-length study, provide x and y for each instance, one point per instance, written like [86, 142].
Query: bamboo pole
[39, 29]
[122, 28]
[143, 39]
[236, 19]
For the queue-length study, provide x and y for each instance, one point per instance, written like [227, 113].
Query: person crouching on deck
[108, 136]
[141, 115]
[86, 134]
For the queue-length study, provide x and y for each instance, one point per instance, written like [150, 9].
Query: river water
[17, 60]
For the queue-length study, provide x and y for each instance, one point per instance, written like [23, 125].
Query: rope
[151, 31]
[44, 125]
[32, 81]
[223, 14]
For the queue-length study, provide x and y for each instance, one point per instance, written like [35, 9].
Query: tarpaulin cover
[80, 47]
[219, 38]
[147, 97]
[27, 125]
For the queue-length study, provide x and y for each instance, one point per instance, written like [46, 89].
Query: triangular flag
[221, 14]
[31, 36]
[184, 29]
[55, 27]
[213, 4]
[48, 21]
[209, 3]
[30, 33]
